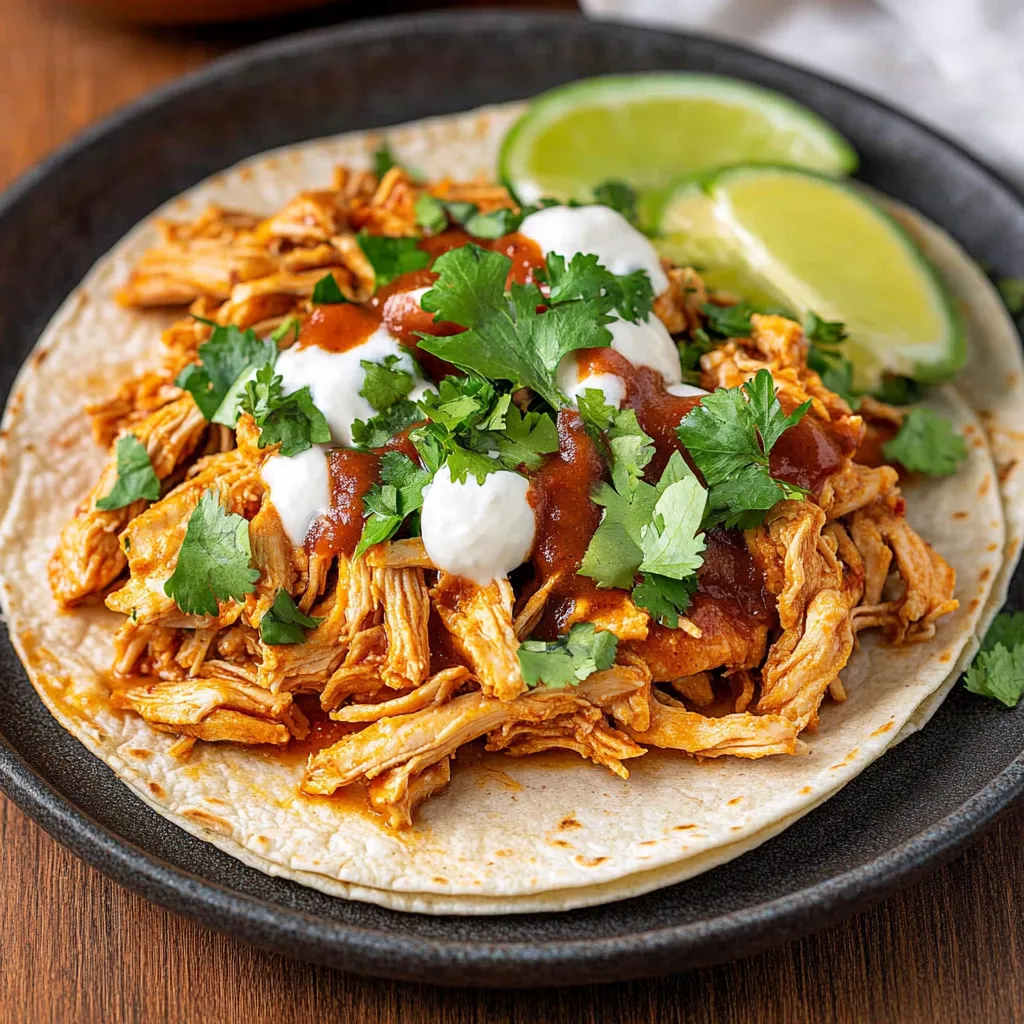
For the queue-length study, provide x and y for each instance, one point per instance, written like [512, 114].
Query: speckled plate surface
[909, 811]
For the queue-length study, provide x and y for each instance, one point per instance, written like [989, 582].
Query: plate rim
[268, 924]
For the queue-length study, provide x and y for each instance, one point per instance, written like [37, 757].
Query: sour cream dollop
[480, 531]
[572, 385]
[567, 230]
[647, 344]
[335, 378]
[300, 490]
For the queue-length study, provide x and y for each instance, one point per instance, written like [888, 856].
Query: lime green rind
[828, 151]
[709, 234]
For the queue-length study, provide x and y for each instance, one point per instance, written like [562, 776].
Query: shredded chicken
[216, 710]
[480, 622]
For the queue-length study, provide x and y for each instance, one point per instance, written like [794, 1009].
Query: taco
[464, 557]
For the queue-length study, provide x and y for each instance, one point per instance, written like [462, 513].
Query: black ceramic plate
[910, 811]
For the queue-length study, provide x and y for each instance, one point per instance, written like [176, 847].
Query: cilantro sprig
[569, 659]
[926, 443]
[386, 386]
[998, 668]
[213, 562]
[506, 338]
[618, 196]
[391, 257]
[291, 420]
[730, 435]
[226, 359]
[135, 476]
[476, 430]
[631, 295]
[825, 356]
[326, 292]
[649, 529]
[399, 493]
[283, 623]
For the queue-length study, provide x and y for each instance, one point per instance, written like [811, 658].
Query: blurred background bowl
[185, 12]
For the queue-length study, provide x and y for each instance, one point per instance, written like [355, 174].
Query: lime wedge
[818, 245]
[650, 129]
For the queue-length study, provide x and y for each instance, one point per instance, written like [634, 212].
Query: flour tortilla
[508, 835]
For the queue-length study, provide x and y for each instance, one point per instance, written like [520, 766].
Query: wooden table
[76, 947]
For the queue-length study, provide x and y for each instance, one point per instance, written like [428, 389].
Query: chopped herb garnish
[387, 503]
[292, 420]
[283, 623]
[431, 213]
[729, 321]
[653, 529]
[664, 598]
[926, 443]
[383, 159]
[690, 353]
[998, 669]
[506, 338]
[1011, 289]
[825, 356]
[226, 359]
[391, 257]
[385, 382]
[631, 296]
[900, 391]
[729, 434]
[569, 659]
[213, 562]
[619, 196]
[477, 430]
[289, 325]
[502, 221]
[326, 292]
[135, 476]
[377, 431]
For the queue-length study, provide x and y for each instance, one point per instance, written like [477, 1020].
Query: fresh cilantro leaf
[826, 358]
[596, 412]
[665, 599]
[671, 543]
[729, 435]
[431, 214]
[998, 673]
[631, 450]
[213, 562]
[387, 503]
[326, 291]
[619, 196]
[292, 420]
[135, 476]
[391, 257]
[1007, 629]
[631, 296]
[1011, 289]
[385, 382]
[690, 353]
[289, 325]
[900, 391]
[829, 333]
[283, 623]
[502, 221]
[383, 159]
[569, 659]
[927, 444]
[376, 432]
[506, 338]
[463, 463]
[524, 438]
[729, 321]
[226, 358]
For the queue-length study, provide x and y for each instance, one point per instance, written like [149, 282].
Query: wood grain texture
[74, 947]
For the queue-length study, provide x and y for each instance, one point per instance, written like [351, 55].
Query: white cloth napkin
[957, 64]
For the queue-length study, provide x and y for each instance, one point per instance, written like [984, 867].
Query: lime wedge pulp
[650, 129]
[819, 245]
